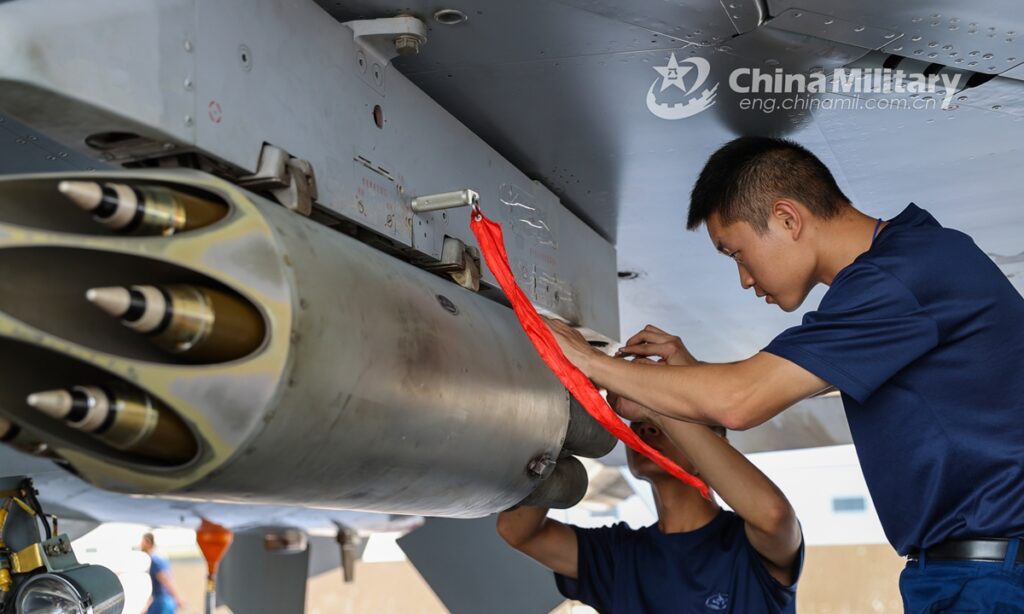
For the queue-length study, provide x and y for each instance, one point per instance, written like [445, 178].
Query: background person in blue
[165, 598]
[697, 557]
[919, 330]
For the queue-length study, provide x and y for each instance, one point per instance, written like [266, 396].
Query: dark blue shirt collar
[686, 537]
[912, 215]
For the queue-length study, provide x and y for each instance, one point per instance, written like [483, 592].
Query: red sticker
[216, 114]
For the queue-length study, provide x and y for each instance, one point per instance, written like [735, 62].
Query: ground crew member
[165, 598]
[919, 330]
[697, 557]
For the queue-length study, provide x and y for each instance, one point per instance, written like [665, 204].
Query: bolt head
[407, 45]
[541, 466]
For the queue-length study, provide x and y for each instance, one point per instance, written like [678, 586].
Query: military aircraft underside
[238, 281]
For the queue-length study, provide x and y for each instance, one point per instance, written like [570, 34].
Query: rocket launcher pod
[328, 373]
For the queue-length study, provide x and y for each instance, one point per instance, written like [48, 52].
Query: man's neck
[680, 507]
[841, 241]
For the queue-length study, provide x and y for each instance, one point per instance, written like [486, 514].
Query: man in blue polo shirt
[697, 557]
[919, 330]
[165, 598]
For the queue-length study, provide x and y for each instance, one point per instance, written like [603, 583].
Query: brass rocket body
[178, 210]
[143, 426]
[200, 324]
[235, 330]
[208, 325]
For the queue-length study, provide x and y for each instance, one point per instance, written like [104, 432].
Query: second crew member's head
[763, 201]
[646, 469]
[643, 467]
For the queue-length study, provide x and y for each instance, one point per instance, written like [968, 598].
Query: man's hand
[652, 341]
[628, 408]
[574, 346]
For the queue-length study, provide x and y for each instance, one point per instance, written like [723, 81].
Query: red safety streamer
[492, 244]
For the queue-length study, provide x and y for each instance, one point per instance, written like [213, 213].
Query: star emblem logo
[672, 74]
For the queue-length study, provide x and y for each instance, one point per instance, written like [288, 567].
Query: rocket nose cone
[114, 300]
[54, 403]
[86, 194]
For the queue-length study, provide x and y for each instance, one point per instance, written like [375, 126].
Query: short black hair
[746, 175]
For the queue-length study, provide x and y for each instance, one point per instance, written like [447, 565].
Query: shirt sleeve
[782, 594]
[868, 327]
[595, 569]
[160, 564]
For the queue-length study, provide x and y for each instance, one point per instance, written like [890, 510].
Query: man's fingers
[643, 349]
[655, 329]
[557, 325]
[648, 336]
[648, 349]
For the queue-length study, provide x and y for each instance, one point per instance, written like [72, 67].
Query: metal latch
[460, 262]
[289, 179]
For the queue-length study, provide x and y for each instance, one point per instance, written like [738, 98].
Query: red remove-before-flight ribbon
[492, 244]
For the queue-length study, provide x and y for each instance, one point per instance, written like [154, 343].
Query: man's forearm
[736, 395]
[547, 541]
[740, 484]
[700, 393]
[517, 526]
[172, 589]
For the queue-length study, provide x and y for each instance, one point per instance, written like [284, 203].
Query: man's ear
[789, 216]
